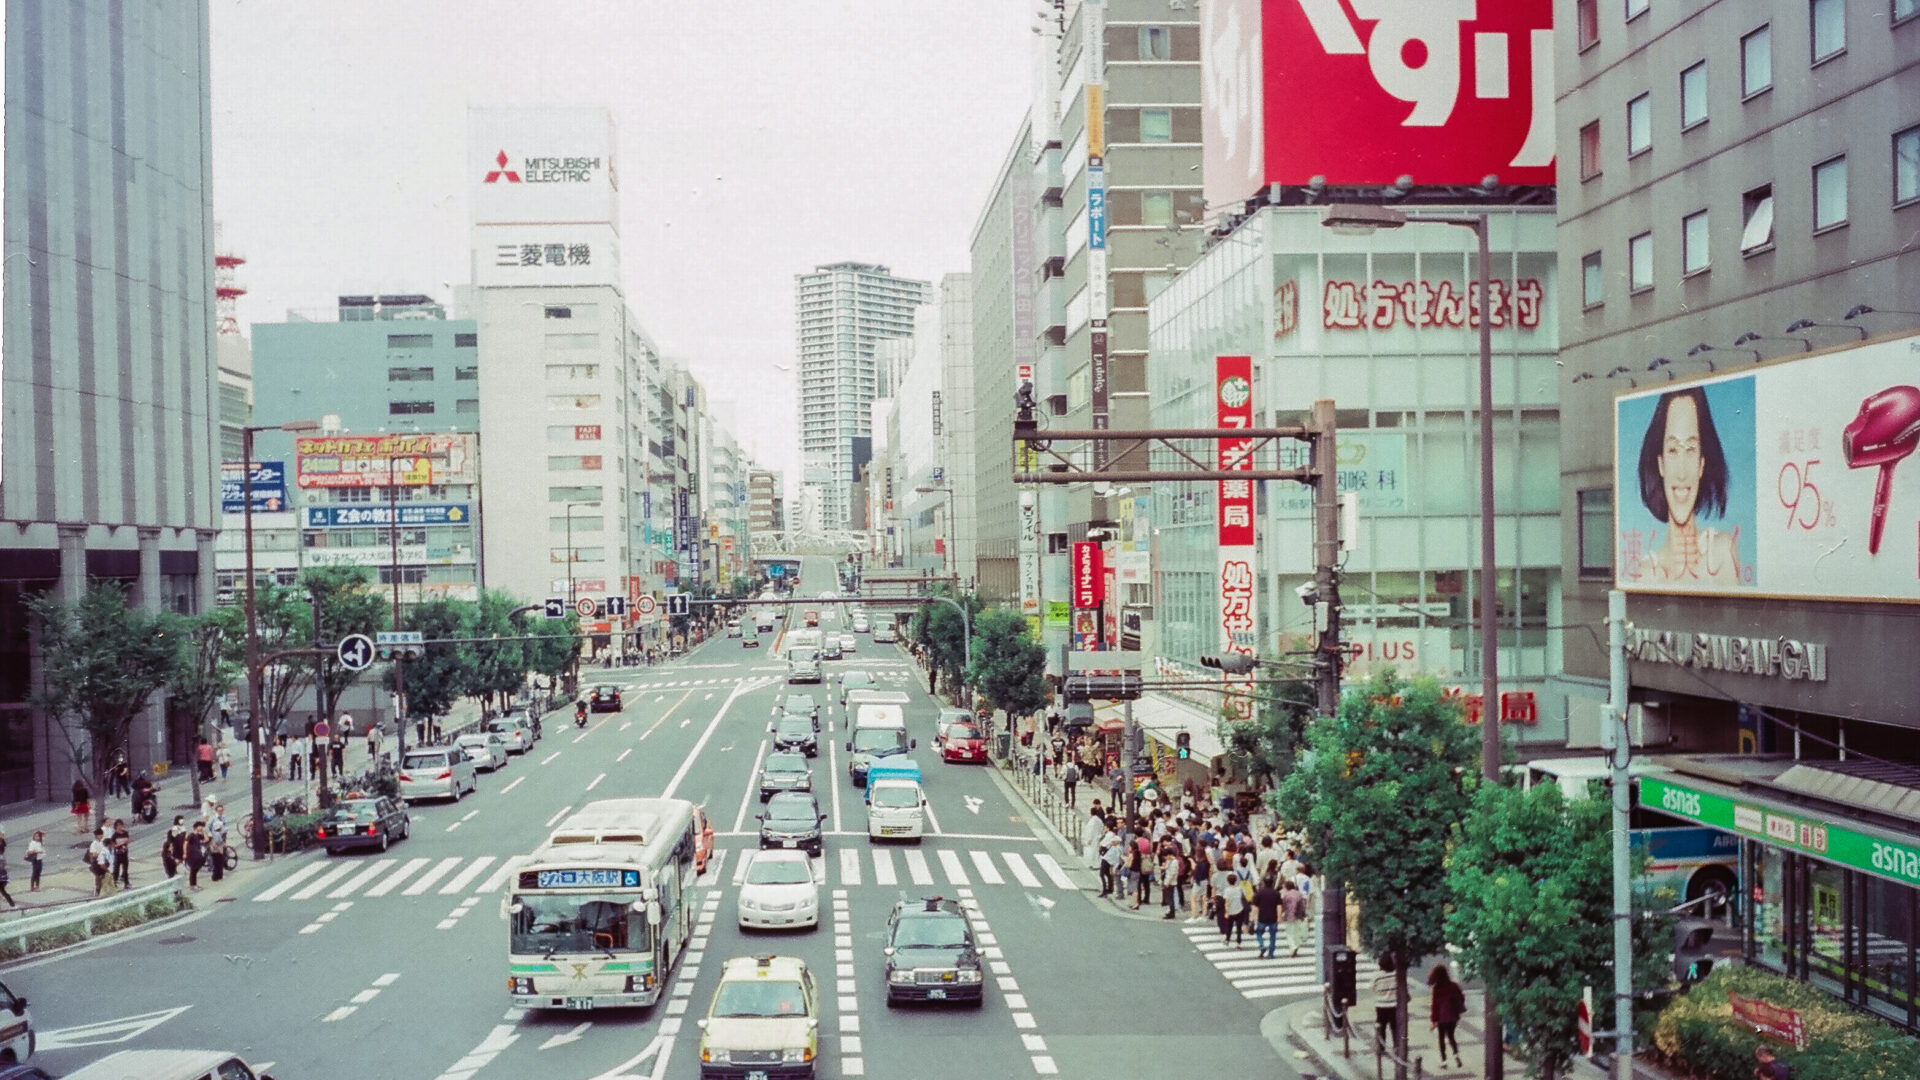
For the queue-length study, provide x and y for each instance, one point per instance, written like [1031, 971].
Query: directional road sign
[355, 652]
[556, 607]
[585, 607]
[616, 606]
[679, 603]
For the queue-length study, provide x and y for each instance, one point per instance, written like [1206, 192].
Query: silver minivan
[803, 665]
[169, 1065]
[514, 731]
[437, 772]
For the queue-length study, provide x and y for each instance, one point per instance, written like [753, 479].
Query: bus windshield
[547, 923]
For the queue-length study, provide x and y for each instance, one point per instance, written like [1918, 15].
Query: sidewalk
[66, 878]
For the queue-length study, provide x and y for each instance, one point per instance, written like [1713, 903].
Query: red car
[964, 743]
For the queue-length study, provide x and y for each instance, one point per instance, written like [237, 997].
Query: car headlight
[900, 975]
[968, 975]
[520, 985]
[713, 1057]
[797, 1054]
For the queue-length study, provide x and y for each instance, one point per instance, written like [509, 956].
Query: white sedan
[488, 752]
[779, 892]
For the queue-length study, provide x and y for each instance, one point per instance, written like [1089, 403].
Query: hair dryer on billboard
[1886, 430]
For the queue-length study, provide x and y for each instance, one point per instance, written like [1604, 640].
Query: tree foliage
[1381, 788]
[1268, 744]
[438, 679]
[498, 668]
[346, 606]
[282, 620]
[210, 663]
[1532, 879]
[1009, 666]
[103, 658]
[558, 646]
[939, 629]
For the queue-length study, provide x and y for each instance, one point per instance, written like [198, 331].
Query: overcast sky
[758, 138]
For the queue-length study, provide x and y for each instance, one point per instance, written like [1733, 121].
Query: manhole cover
[177, 939]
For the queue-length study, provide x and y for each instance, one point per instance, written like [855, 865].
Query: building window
[573, 494]
[1156, 125]
[1828, 23]
[572, 401]
[1640, 125]
[1590, 151]
[1756, 215]
[1693, 243]
[1640, 262]
[467, 406]
[1830, 193]
[582, 523]
[409, 374]
[1756, 61]
[1596, 532]
[1693, 96]
[572, 341]
[1906, 164]
[409, 341]
[1057, 543]
[1637, 8]
[1156, 43]
[1156, 208]
[580, 554]
[562, 372]
[409, 408]
[1592, 285]
[559, 313]
[1586, 15]
[573, 462]
[1904, 9]
[466, 373]
[466, 341]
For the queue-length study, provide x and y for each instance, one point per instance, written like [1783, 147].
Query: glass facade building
[1385, 326]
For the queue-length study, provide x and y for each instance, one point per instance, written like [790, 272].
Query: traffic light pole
[1327, 653]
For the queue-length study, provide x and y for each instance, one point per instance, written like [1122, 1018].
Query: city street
[397, 960]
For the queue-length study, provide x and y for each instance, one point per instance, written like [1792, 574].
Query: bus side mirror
[653, 913]
[913, 744]
[19, 1006]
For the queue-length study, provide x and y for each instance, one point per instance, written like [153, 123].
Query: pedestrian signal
[1183, 746]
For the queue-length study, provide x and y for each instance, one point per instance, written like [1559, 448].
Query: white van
[896, 809]
[879, 730]
[169, 1065]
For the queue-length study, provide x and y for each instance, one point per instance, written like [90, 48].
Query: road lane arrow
[104, 1032]
[564, 1038]
[974, 803]
[658, 1048]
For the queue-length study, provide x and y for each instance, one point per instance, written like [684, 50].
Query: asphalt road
[393, 965]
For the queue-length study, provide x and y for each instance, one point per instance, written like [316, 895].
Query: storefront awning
[1757, 798]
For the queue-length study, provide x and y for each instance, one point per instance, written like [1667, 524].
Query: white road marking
[558, 816]
[700, 744]
[567, 1036]
[595, 782]
[440, 870]
[287, 883]
[950, 862]
[753, 784]
[549, 757]
[465, 877]
[338, 1014]
[623, 755]
[516, 783]
[324, 880]
[983, 862]
[933, 823]
[917, 868]
[361, 878]
[883, 867]
[625, 724]
[453, 826]
[499, 877]
[104, 1032]
[469, 815]
[1020, 872]
[850, 866]
[388, 979]
[740, 868]
[1055, 873]
[833, 775]
[974, 803]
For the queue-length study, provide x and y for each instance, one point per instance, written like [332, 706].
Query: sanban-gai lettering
[1777, 657]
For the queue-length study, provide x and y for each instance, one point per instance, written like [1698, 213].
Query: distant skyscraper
[841, 310]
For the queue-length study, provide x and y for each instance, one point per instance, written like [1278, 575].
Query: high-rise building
[764, 501]
[1003, 344]
[1739, 193]
[840, 311]
[109, 466]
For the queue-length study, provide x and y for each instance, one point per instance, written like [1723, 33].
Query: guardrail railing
[84, 913]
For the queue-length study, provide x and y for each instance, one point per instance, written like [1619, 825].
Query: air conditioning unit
[1649, 725]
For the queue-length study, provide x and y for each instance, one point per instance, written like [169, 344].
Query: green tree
[1009, 666]
[1381, 789]
[556, 647]
[939, 629]
[102, 660]
[499, 668]
[436, 681]
[282, 620]
[1267, 745]
[346, 605]
[1532, 879]
[209, 664]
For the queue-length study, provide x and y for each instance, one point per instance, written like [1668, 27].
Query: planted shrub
[1697, 1033]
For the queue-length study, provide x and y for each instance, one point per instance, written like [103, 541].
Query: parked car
[963, 741]
[605, 699]
[437, 772]
[362, 823]
[515, 732]
[488, 751]
[779, 892]
[948, 717]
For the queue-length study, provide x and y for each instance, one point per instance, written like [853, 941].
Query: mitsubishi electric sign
[552, 166]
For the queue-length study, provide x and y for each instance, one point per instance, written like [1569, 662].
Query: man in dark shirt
[1769, 1067]
[1266, 917]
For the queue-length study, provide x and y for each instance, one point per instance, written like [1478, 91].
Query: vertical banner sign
[1233, 398]
[1029, 546]
[1094, 15]
[936, 414]
[1089, 575]
[1098, 380]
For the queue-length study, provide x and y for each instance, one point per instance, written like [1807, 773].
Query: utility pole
[1327, 650]
[399, 664]
[1619, 744]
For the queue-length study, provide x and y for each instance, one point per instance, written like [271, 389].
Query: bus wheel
[1717, 882]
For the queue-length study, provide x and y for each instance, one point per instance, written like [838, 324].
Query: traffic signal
[1183, 746]
[1692, 950]
[1345, 976]
[399, 645]
[1230, 664]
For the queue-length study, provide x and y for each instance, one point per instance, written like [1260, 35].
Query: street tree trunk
[1403, 999]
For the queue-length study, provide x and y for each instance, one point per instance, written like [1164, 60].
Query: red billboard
[1089, 575]
[1233, 394]
[1366, 91]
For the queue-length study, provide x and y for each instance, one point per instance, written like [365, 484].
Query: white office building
[841, 311]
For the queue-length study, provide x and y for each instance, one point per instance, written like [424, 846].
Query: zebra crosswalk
[414, 877]
[1255, 977]
[881, 866]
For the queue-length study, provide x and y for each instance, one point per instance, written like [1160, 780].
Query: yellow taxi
[764, 1022]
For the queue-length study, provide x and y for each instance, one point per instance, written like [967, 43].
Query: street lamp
[259, 838]
[1362, 219]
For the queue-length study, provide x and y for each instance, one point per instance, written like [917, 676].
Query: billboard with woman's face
[1778, 481]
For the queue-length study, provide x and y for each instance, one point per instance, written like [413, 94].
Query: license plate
[936, 995]
[757, 1074]
[577, 1003]
[787, 843]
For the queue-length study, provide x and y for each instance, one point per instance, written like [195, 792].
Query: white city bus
[598, 914]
